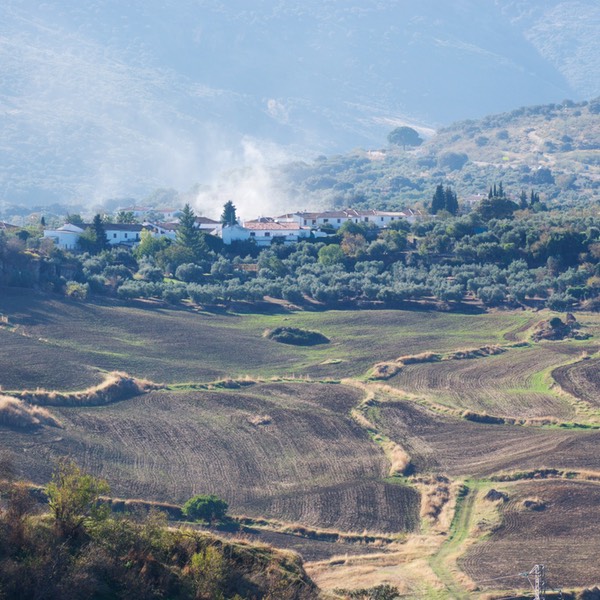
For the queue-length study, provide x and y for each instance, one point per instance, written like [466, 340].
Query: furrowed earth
[371, 480]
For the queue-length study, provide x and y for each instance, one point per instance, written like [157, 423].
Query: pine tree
[439, 200]
[188, 235]
[229, 216]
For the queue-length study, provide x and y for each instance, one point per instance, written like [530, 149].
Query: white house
[123, 233]
[234, 233]
[263, 233]
[65, 237]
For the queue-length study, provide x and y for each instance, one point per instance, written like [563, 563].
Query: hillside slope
[117, 100]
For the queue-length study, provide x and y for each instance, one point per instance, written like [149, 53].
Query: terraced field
[325, 455]
[562, 536]
[277, 451]
[581, 379]
[461, 448]
[168, 345]
[515, 383]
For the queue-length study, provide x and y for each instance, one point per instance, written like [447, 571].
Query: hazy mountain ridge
[109, 100]
[553, 149]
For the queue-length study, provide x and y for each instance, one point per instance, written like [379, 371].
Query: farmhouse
[67, 236]
[263, 233]
[334, 219]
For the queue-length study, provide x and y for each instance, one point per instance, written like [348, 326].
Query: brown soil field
[285, 451]
[460, 448]
[581, 379]
[67, 339]
[564, 536]
[502, 385]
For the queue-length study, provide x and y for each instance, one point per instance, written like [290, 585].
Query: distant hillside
[122, 98]
[553, 149]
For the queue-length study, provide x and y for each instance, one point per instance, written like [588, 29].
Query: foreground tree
[73, 497]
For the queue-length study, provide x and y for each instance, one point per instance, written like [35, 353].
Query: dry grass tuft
[16, 413]
[400, 462]
[423, 357]
[117, 386]
[384, 370]
[258, 420]
[435, 495]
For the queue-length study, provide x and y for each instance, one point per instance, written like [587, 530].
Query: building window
[366, 219]
[114, 235]
[252, 234]
[325, 220]
[339, 220]
[382, 218]
[125, 236]
[267, 234]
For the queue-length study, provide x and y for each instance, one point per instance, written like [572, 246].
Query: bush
[77, 291]
[295, 336]
[208, 508]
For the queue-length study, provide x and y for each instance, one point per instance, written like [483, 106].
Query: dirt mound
[556, 329]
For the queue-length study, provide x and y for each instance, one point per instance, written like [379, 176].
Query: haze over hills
[110, 100]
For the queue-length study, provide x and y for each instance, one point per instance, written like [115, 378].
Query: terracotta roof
[262, 220]
[206, 221]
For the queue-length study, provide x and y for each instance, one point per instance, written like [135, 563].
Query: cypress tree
[451, 201]
[101, 241]
[523, 200]
[439, 200]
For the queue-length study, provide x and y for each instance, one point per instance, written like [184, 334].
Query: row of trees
[556, 254]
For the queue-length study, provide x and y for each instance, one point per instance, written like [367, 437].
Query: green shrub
[295, 336]
[205, 508]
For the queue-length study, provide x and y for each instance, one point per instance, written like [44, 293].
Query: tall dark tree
[523, 200]
[404, 136]
[93, 239]
[439, 200]
[451, 201]
[99, 234]
[188, 235]
[229, 216]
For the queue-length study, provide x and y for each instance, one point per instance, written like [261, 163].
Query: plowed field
[458, 447]
[67, 339]
[304, 459]
[581, 379]
[564, 536]
[504, 385]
